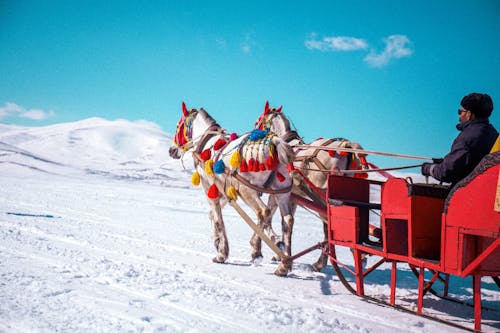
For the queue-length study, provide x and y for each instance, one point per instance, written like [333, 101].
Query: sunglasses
[462, 110]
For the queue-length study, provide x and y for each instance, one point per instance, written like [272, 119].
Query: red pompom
[256, 167]
[206, 155]
[343, 153]
[243, 166]
[272, 162]
[213, 192]
[233, 136]
[220, 143]
[262, 167]
[281, 178]
[251, 163]
[331, 153]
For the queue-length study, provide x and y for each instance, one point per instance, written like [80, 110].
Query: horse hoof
[316, 267]
[219, 259]
[256, 256]
[257, 260]
[281, 271]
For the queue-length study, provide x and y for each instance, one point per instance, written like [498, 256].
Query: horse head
[272, 119]
[192, 124]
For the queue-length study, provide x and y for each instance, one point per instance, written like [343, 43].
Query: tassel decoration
[209, 168]
[251, 163]
[272, 162]
[206, 155]
[219, 167]
[220, 143]
[280, 176]
[195, 178]
[256, 166]
[262, 167]
[257, 134]
[231, 193]
[243, 166]
[235, 160]
[233, 136]
[213, 192]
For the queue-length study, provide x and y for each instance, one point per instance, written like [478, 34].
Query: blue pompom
[257, 134]
[219, 167]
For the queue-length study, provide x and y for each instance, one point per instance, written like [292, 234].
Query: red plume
[279, 109]
[184, 109]
[266, 108]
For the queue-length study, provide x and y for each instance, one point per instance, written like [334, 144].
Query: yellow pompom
[195, 178]
[231, 193]
[235, 160]
[209, 168]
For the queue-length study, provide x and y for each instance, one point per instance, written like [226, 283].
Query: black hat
[480, 105]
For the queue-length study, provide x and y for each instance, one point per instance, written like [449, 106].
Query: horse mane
[210, 119]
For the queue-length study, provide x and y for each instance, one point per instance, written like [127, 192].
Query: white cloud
[14, 110]
[337, 43]
[396, 46]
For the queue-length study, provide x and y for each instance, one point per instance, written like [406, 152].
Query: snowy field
[100, 231]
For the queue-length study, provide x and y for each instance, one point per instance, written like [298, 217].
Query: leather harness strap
[314, 158]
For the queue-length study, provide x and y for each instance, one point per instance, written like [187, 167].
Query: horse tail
[285, 151]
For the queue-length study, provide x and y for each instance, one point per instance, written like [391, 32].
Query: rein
[366, 170]
[366, 152]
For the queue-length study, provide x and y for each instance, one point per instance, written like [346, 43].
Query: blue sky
[388, 74]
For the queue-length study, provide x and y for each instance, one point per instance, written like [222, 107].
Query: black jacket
[470, 146]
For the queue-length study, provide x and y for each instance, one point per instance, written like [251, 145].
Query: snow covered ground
[100, 231]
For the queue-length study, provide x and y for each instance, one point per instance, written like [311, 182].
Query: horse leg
[218, 232]
[272, 204]
[323, 257]
[287, 209]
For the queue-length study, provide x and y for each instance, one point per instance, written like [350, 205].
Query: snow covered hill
[100, 231]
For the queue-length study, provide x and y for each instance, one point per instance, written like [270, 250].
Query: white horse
[243, 167]
[315, 164]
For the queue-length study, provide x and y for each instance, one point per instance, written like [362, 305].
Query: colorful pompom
[256, 166]
[233, 136]
[219, 167]
[272, 162]
[213, 192]
[243, 166]
[231, 193]
[235, 160]
[220, 143]
[206, 155]
[209, 168]
[281, 178]
[195, 178]
[257, 134]
[251, 163]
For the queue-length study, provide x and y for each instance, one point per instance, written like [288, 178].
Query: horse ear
[279, 109]
[184, 109]
[266, 108]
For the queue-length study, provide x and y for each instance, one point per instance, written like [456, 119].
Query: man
[476, 139]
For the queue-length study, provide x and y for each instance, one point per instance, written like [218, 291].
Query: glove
[437, 160]
[426, 169]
